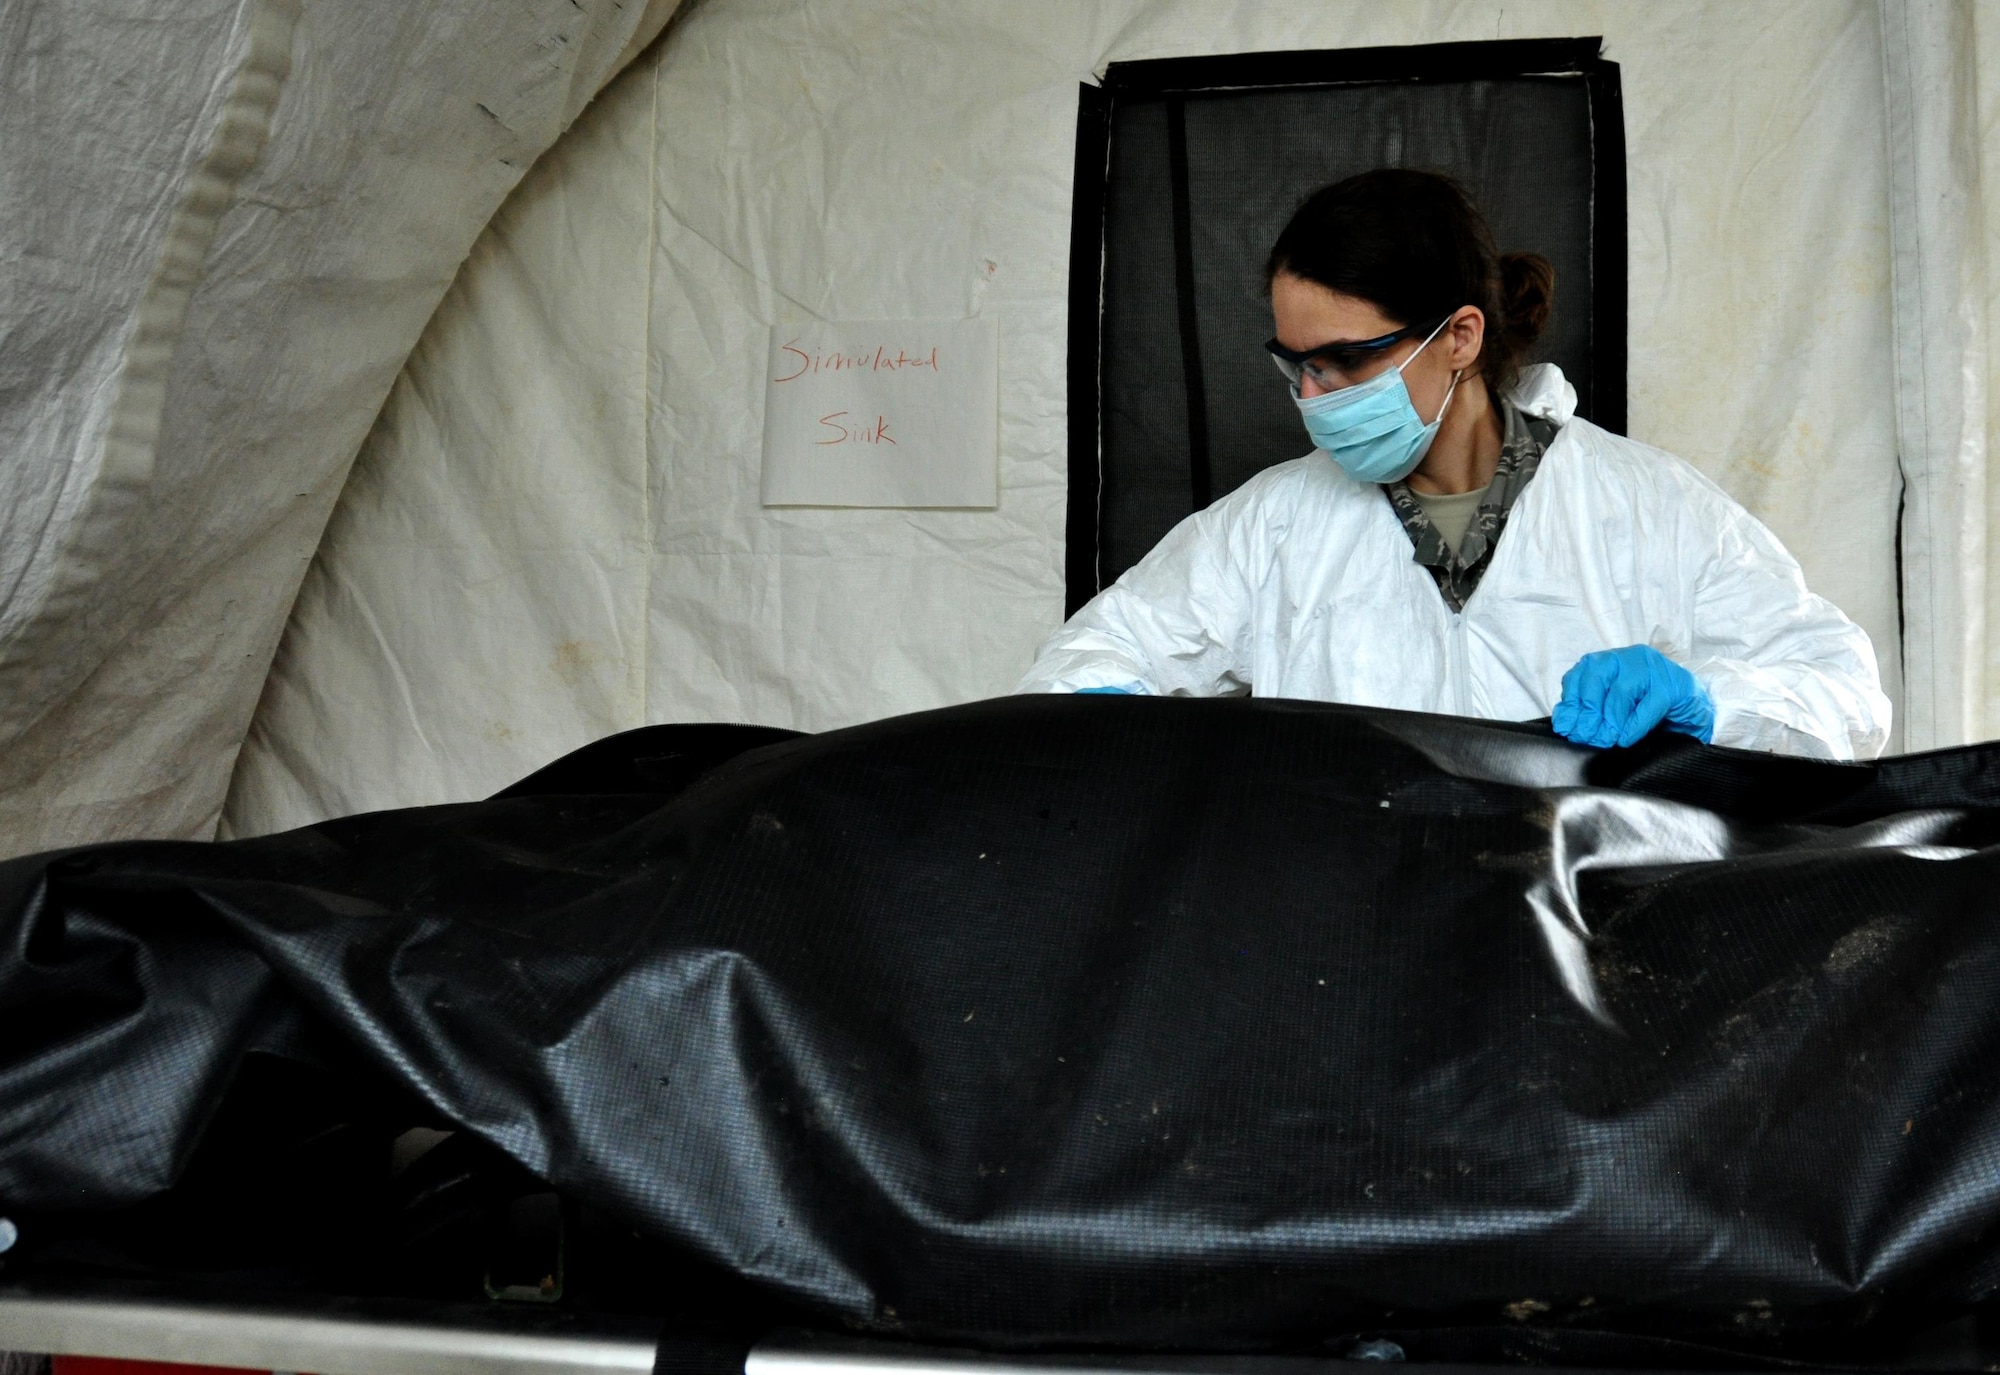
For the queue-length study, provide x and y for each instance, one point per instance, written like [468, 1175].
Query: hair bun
[1527, 294]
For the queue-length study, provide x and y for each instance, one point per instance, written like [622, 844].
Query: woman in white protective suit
[1459, 541]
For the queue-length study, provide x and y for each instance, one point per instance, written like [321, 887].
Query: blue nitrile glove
[1119, 692]
[1617, 696]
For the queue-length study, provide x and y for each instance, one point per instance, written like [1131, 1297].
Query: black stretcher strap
[688, 1354]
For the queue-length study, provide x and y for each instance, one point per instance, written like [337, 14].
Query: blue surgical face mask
[1371, 429]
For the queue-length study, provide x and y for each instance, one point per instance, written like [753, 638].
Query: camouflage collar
[1522, 443]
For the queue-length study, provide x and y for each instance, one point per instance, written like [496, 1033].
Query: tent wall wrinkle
[228, 224]
[36, 668]
[1938, 260]
[78, 267]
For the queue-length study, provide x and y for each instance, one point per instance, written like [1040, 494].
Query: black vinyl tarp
[1111, 1021]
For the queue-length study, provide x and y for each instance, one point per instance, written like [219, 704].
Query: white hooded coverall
[1301, 584]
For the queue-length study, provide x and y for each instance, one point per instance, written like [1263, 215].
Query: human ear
[1467, 335]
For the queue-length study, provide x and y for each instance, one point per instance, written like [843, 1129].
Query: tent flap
[228, 226]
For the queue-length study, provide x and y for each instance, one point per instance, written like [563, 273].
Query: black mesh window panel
[1186, 171]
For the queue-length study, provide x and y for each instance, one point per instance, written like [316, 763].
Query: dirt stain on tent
[574, 661]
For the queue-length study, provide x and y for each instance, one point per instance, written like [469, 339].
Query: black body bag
[1092, 1021]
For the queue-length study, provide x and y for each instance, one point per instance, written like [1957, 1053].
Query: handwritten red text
[843, 430]
[805, 361]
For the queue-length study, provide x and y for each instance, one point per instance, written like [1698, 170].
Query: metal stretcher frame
[385, 1337]
[378, 1338]
[352, 1337]
[330, 1337]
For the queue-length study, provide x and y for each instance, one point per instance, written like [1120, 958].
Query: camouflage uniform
[1522, 443]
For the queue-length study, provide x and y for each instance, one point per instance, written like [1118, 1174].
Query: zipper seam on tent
[1906, 336]
[1941, 607]
[132, 430]
[646, 540]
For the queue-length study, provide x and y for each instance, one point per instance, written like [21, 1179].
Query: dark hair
[1411, 244]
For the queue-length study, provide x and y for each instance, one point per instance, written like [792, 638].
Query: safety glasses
[1333, 366]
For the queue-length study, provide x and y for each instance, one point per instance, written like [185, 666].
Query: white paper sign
[883, 413]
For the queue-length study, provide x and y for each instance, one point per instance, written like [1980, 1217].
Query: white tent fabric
[223, 225]
[1938, 259]
[554, 531]
[227, 226]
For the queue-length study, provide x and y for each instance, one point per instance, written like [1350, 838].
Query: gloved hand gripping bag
[1135, 1022]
